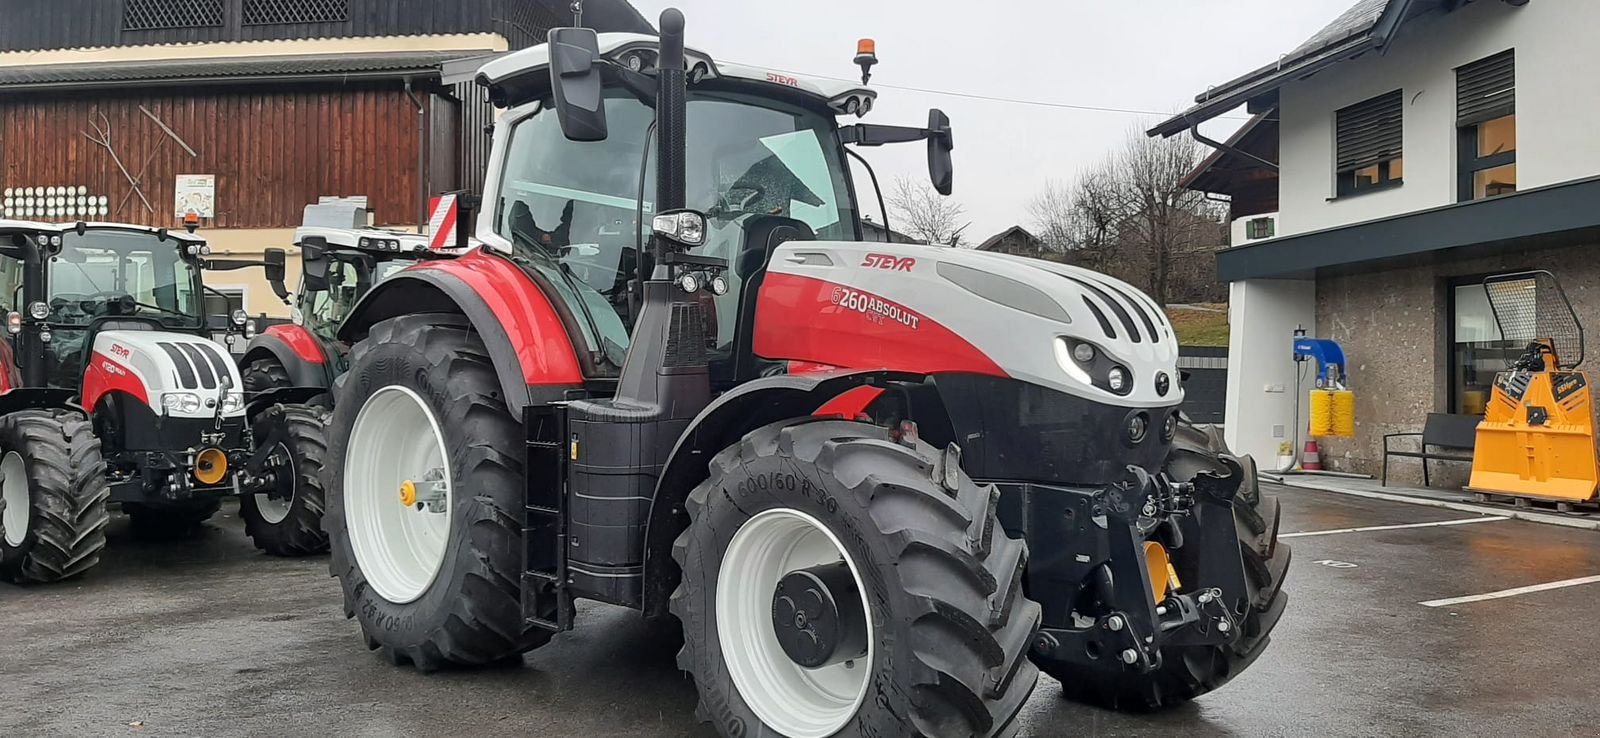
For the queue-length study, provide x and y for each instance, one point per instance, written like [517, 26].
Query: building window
[274, 12]
[1258, 228]
[1368, 142]
[149, 15]
[1486, 118]
[1478, 351]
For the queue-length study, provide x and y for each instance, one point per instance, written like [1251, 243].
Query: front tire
[454, 596]
[940, 584]
[290, 524]
[53, 522]
[265, 374]
[1189, 672]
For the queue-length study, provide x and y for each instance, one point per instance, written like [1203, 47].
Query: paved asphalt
[208, 638]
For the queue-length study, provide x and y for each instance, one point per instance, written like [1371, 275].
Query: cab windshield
[115, 273]
[571, 210]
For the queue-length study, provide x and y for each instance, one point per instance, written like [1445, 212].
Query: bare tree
[922, 212]
[1129, 216]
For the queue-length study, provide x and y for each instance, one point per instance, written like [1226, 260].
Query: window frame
[1346, 183]
[1453, 387]
[1473, 103]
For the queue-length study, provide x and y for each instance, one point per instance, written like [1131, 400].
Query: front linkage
[1109, 595]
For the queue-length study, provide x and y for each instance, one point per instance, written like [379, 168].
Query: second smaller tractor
[288, 371]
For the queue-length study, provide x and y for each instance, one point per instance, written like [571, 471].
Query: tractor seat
[763, 234]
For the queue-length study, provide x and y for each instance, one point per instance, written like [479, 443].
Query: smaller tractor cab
[338, 267]
[289, 368]
[107, 331]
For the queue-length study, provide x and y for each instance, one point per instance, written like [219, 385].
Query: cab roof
[28, 226]
[510, 66]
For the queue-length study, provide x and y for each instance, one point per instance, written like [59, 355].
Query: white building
[1419, 145]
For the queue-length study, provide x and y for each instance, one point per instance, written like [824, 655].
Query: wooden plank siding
[273, 150]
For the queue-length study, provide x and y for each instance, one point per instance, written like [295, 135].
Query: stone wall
[1395, 325]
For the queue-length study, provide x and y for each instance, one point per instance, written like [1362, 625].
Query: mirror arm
[642, 86]
[228, 265]
[872, 134]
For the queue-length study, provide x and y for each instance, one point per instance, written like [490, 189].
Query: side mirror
[575, 82]
[940, 168]
[276, 269]
[314, 264]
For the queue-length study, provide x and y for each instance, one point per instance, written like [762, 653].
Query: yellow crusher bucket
[1537, 436]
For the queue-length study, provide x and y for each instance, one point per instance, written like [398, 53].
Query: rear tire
[470, 611]
[941, 583]
[169, 522]
[1188, 672]
[60, 530]
[265, 374]
[291, 527]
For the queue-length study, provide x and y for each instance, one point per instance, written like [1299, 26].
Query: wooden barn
[247, 110]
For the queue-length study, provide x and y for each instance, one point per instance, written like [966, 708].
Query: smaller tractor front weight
[1115, 566]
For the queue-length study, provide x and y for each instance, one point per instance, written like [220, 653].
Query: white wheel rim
[19, 506]
[793, 700]
[399, 548]
[275, 510]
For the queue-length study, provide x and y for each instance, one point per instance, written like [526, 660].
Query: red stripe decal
[106, 375]
[803, 319]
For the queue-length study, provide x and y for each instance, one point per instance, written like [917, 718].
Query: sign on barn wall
[196, 193]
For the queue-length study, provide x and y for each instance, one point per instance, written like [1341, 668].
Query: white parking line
[1462, 521]
[1509, 592]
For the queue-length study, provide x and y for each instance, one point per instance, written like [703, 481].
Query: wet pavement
[208, 638]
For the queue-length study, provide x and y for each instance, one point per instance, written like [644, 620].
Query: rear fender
[727, 419]
[532, 353]
[290, 349]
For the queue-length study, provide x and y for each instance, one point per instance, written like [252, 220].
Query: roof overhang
[341, 67]
[1262, 84]
[1557, 215]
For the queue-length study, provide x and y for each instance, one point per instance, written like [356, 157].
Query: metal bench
[1443, 431]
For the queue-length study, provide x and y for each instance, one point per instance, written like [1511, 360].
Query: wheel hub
[817, 616]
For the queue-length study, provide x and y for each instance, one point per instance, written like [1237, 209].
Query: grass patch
[1200, 325]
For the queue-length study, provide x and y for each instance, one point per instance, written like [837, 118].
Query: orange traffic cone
[1311, 459]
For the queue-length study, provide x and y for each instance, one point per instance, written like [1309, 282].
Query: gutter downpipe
[1194, 130]
[423, 170]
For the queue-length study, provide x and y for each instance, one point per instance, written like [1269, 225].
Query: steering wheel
[729, 205]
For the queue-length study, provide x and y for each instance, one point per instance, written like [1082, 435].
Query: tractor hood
[177, 375]
[924, 308]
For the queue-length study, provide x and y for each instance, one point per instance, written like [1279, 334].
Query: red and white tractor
[878, 486]
[289, 369]
[111, 390]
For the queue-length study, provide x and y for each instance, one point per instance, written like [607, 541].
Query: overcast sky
[1153, 55]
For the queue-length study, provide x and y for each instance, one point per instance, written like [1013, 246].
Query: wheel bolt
[1129, 656]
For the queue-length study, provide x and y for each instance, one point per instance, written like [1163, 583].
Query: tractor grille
[1133, 312]
[200, 365]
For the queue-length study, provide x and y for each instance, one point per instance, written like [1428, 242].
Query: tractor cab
[110, 279]
[765, 163]
[340, 265]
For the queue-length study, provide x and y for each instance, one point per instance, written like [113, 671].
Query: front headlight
[233, 402]
[239, 317]
[39, 311]
[183, 402]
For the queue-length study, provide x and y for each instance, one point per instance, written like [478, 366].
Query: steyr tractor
[878, 486]
[288, 370]
[112, 391]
